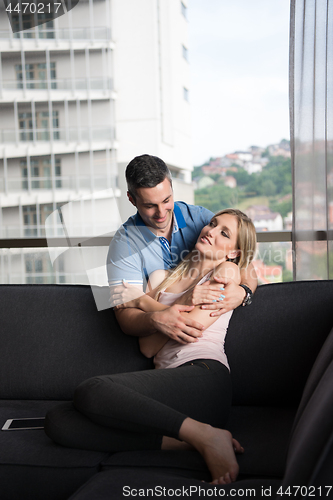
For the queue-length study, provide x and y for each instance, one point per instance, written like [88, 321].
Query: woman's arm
[144, 301]
[149, 346]
[225, 270]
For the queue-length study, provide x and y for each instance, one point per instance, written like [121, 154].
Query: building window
[185, 52]
[45, 30]
[30, 220]
[36, 75]
[178, 174]
[32, 223]
[186, 94]
[183, 9]
[38, 268]
[25, 124]
[40, 173]
[42, 126]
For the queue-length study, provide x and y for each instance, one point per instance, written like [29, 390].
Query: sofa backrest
[52, 338]
[272, 344]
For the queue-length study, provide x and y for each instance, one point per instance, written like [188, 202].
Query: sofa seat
[265, 451]
[52, 338]
[131, 483]
[31, 462]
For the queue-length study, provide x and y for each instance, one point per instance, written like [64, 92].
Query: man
[160, 234]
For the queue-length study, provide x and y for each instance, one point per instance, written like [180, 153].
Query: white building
[264, 219]
[252, 167]
[81, 96]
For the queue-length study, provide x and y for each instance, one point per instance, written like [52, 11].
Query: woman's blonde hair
[246, 246]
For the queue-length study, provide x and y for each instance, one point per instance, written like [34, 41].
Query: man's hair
[146, 171]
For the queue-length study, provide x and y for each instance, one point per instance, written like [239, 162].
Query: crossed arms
[183, 322]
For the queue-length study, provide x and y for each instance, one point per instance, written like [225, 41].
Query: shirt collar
[179, 218]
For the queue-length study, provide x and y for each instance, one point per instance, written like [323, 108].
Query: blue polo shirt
[135, 251]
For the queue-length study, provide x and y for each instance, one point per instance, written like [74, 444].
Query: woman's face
[218, 240]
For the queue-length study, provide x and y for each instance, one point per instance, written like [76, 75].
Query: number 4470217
[305, 491]
[33, 8]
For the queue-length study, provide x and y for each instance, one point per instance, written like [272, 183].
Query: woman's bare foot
[216, 446]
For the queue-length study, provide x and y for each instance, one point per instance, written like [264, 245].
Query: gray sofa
[279, 350]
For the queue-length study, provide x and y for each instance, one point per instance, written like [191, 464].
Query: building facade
[80, 96]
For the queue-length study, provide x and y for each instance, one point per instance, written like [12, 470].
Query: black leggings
[133, 411]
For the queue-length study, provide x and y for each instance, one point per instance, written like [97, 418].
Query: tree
[242, 176]
[216, 197]
[268, 188]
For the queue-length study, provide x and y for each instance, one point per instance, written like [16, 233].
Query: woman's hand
[207, 293]
[125, 295]
[234, 296]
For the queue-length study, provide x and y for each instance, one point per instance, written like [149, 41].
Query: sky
[238, 55]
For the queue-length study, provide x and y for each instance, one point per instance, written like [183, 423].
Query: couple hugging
[179, 303]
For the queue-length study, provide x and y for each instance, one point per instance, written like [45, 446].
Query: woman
[183, 402]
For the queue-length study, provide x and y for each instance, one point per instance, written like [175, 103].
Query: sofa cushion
[145, 483]
[272, 344]
[32, 466]
[263, 432]
[53, 338]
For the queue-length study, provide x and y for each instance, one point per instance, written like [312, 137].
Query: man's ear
[131, 199]
[234, 254]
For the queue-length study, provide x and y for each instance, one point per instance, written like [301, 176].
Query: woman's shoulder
[227, 270]
[156, 278]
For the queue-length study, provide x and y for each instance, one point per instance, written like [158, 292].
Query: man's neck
[166, 232]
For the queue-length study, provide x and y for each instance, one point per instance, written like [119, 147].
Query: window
[42, 126]
[183, 9]
[45, 30]
[36, 75]
[32, 222]
[25, 124]
[40, 173]
[186, 94]
[185, 52]
[37, 267]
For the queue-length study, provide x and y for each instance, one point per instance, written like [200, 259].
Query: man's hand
[234, 296]
[176, 326]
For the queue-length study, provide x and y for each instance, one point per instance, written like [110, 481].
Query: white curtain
[311, 113]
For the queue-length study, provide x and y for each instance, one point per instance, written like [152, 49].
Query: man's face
[155, 205]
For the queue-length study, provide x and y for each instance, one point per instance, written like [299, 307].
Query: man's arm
[146, 316]
[149, 346]
[222, 294]
[168, 321]
[234, 293]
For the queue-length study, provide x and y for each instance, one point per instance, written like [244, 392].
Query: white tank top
[209, 346]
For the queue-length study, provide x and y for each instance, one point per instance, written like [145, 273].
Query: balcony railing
[61, 84]
[70, 134]
[65, 182]
[84, 33]
[11, 241]
[273, 261]
[34, 236]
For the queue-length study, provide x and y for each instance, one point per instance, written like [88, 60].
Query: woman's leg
[161, 402]
[141, 407]
[158, 401]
